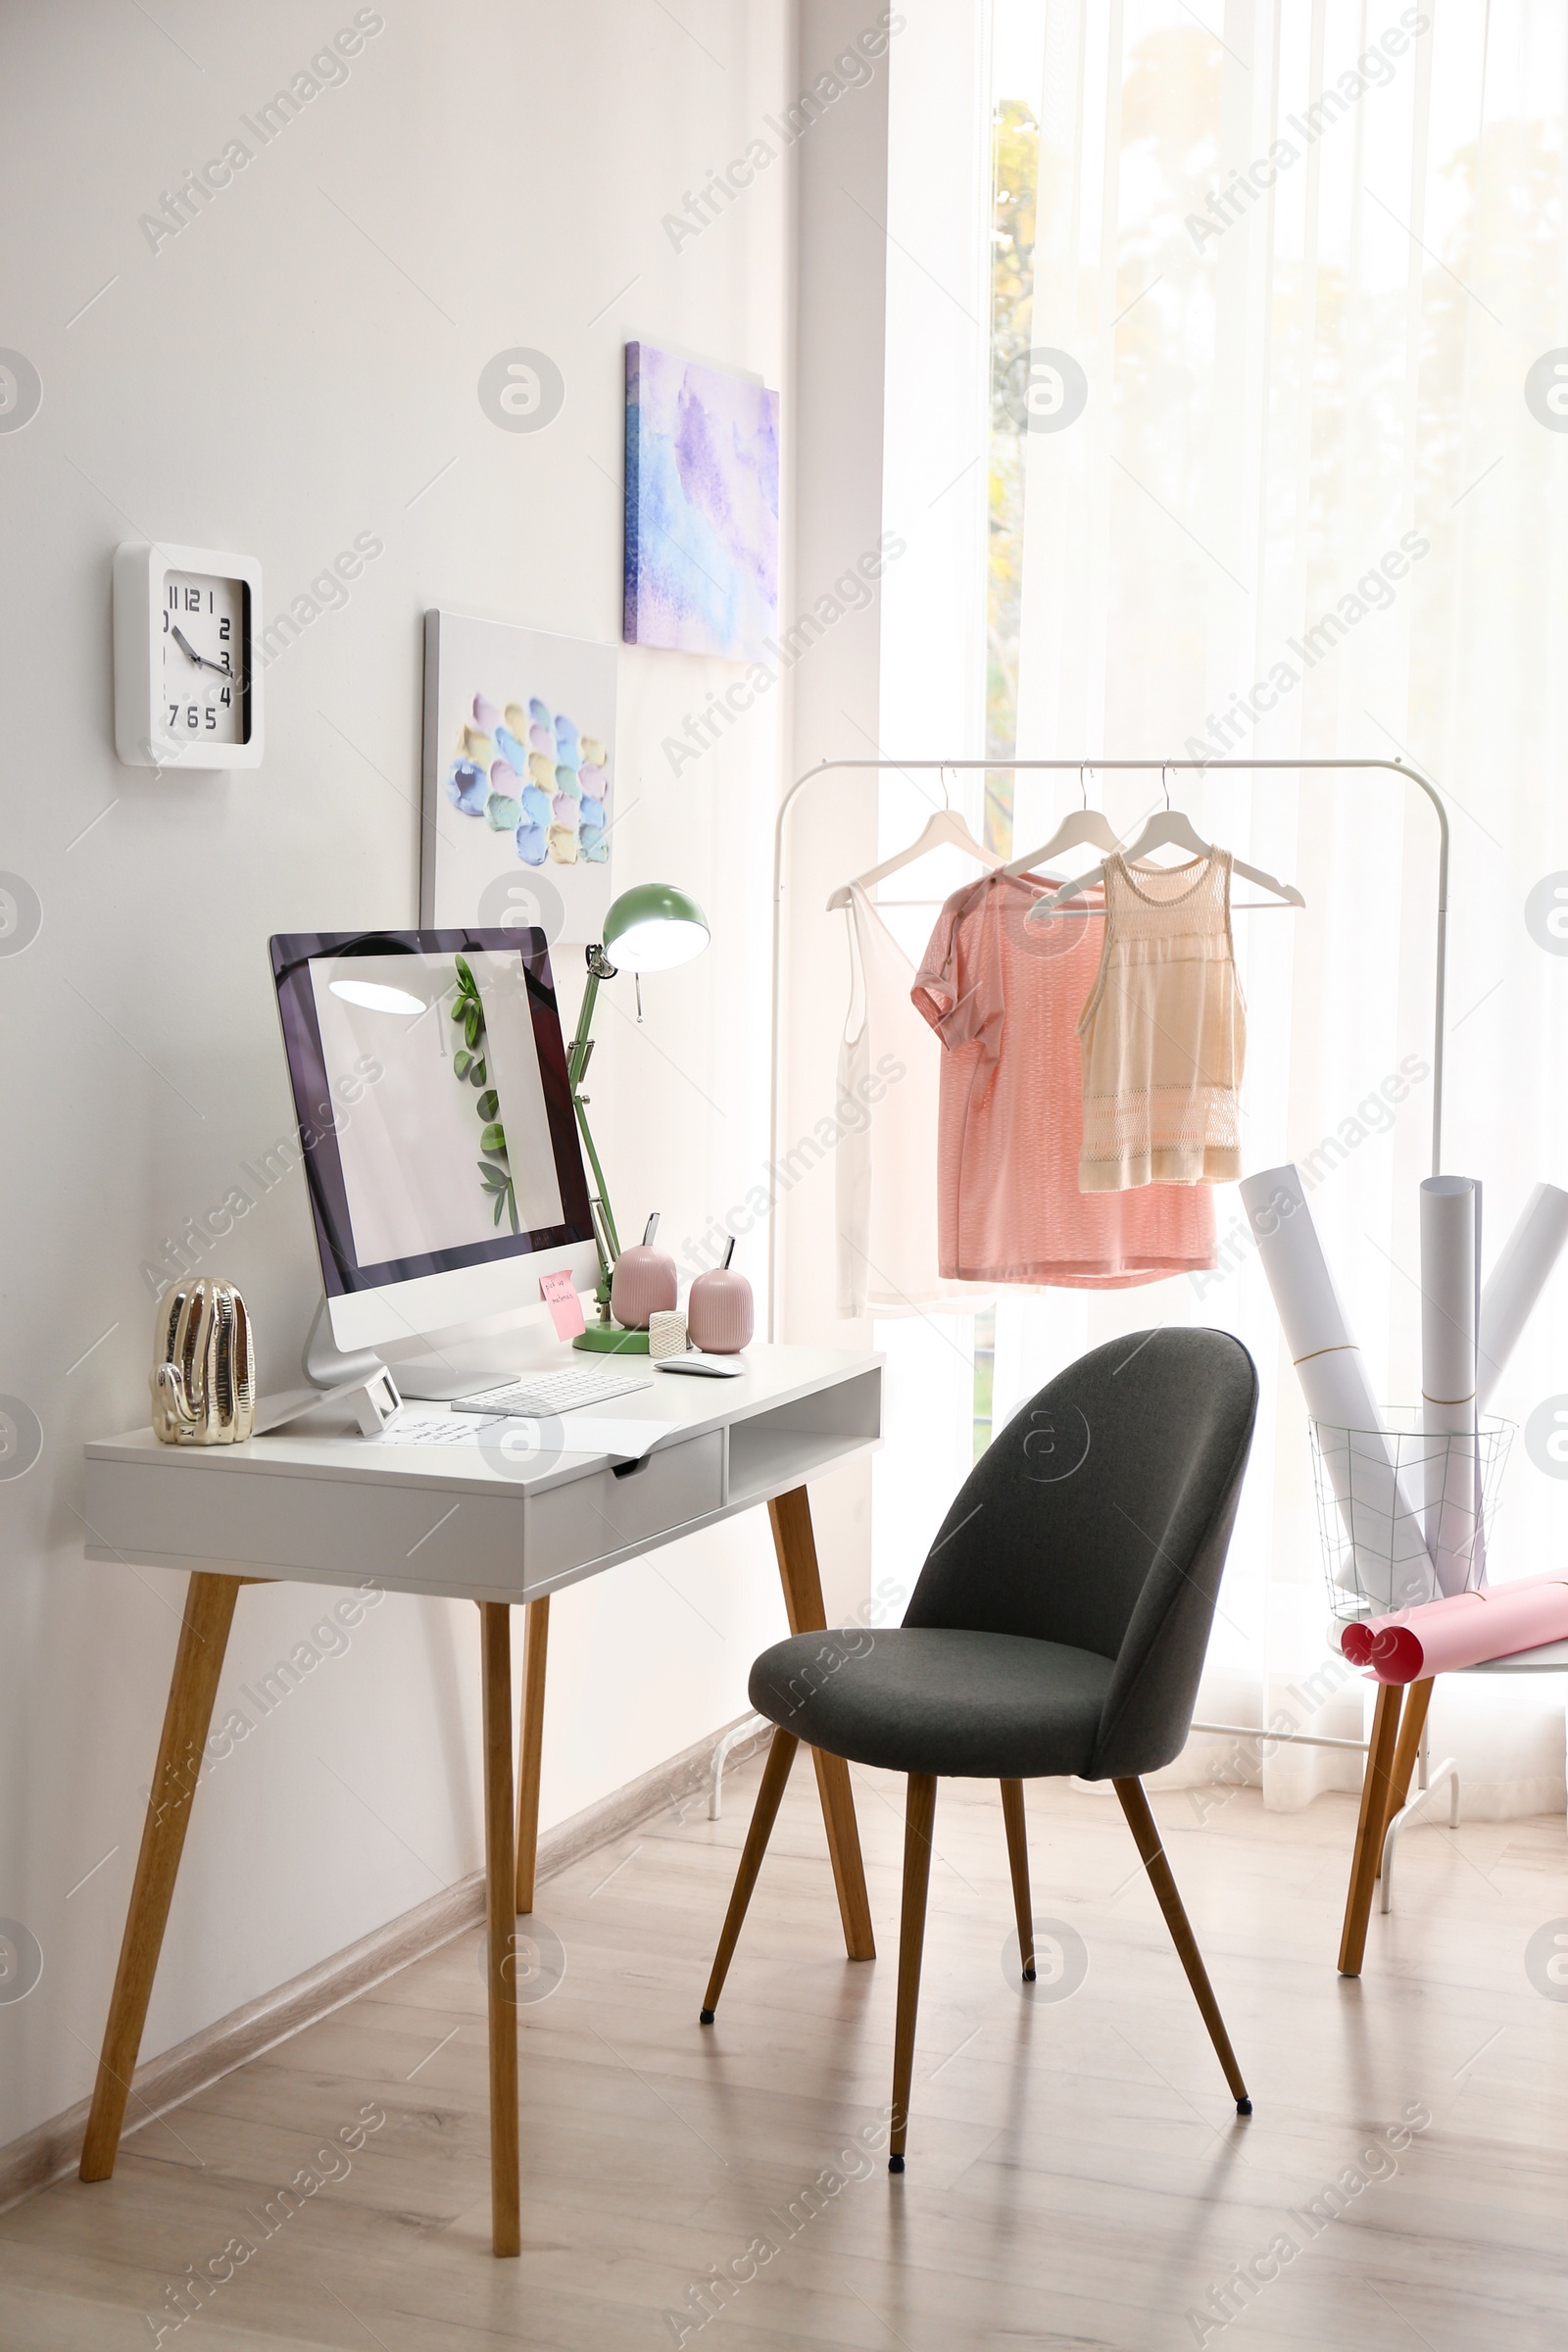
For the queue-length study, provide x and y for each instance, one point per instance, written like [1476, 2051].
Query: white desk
[333, 1509]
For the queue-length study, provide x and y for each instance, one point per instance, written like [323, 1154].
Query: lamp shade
[653, 927]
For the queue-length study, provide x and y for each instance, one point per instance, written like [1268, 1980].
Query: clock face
[205, 640]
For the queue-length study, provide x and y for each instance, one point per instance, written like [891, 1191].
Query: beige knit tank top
[1165, 1031]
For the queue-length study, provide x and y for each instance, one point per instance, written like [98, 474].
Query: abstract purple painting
[702, 505]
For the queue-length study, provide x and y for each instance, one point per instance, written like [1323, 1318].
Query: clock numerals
[203, 636]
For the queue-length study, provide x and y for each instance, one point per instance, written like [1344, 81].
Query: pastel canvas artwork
[701, 507]
[518, 769]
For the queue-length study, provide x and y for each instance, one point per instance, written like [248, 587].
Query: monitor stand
[432, 1374]
[326, 1366]
[441, 1376]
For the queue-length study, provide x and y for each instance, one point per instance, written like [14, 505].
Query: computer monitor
[440, 1147]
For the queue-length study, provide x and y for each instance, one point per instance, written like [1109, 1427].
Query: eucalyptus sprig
[469, 1064]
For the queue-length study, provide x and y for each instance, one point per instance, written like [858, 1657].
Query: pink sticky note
[566, 1307]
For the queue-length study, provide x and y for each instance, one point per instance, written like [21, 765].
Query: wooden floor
[1077, 2175]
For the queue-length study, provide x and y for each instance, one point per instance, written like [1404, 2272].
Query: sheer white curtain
[1307, 257]
[933, 658]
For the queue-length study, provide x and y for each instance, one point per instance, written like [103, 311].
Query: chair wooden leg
[1412, 1723]
[187, 1718]
[530, 1745]
[1146, 1831]
[495, 1640]
[1369, 1827]
[919, 1813]
[770, 1797]
[790, 1517]
[1018, 1858]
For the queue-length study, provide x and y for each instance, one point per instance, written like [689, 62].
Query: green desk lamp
[651, 928]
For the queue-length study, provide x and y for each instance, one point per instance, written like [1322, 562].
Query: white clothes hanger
[1170, 828]
[945, 830]
[1081, 825]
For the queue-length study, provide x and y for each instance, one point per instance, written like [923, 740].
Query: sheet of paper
[601, 1433]
[434, 1429]
[572, 1433]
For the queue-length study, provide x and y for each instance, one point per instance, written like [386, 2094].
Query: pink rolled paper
[1466, 1630]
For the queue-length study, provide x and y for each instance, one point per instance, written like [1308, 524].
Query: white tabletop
[319, 1503]
[772, 1377]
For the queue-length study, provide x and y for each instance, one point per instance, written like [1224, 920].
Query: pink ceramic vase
[643, 1282]
[718, 1310]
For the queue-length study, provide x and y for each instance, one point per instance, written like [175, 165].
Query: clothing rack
[1402, 769]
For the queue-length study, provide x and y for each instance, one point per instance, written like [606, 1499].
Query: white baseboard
[53, 2148]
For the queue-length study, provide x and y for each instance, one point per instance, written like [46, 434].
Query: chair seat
[937, 1699]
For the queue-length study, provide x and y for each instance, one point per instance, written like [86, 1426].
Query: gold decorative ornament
[203, 1378]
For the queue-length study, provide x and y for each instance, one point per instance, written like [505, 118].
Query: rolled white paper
[1517, 1280]
[1451, 1208]
[1388, 1549]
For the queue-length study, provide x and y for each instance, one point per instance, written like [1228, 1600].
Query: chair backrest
[1100, 1517]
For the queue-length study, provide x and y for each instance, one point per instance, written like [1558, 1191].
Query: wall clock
[188, 685]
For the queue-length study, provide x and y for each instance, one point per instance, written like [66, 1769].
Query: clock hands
[189, 650]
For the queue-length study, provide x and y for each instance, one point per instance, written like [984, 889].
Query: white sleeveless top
[1163, 1031]
[885, 1163]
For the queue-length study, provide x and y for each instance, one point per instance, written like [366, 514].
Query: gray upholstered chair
[1058, 1626]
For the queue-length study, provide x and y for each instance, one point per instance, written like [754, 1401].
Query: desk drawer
[591, 1517]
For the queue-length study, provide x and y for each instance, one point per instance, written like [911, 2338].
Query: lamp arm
[599, 968]
[581, 1108]
[581, 1046]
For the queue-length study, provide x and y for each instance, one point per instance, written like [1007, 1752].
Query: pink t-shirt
[1005, 1001]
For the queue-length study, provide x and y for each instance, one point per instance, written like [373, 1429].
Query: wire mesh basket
[1404, 1511]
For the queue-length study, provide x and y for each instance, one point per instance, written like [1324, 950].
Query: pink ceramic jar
[643, 1282]
[719, 1309]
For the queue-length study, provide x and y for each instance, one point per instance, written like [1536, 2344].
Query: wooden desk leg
[1412, 1723]
[790, 1516]
[1370, 1826]
[530, 1745]
[198, 1663]
[495, 1641]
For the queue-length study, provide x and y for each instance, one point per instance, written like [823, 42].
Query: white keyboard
[554, 1391]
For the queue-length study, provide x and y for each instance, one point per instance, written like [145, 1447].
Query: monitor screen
[429, 1079]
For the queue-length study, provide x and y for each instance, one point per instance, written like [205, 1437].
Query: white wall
[298, 367]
